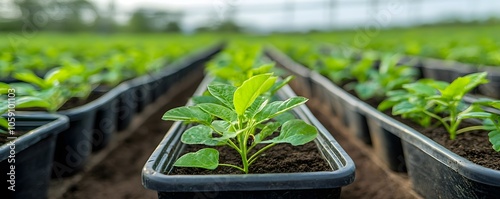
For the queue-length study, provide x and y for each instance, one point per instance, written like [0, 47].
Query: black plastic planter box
[387, 146]
[74, 145]
[33, 154]
[435, 171]
[326, 184]
[344, 106]
[492, 88]
[445, 70]
[351, 112]
[105, 123]
[142, 92]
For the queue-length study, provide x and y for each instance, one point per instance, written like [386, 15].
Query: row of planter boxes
[76, 132]
[325, 184]
[434, 171]
[450, 70]
[447, 70]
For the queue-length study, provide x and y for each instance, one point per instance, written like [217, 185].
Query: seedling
[21, 102]
[388, 77]
[241, 118]
[236, 66]
[429, 99]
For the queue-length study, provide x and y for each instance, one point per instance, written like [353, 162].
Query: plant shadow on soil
[119, 175]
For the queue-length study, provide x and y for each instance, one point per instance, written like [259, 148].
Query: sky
[274, 15]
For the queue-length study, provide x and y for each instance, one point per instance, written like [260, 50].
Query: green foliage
[234, 65]
[19, 102]
[205, 158]
[427, 100]
[379, 82]
[240, 117]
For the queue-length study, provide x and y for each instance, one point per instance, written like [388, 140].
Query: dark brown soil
[473, 145]
[282, 158]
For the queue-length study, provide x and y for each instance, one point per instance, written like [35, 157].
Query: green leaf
[284, 117]
[246, 94]
[257, 106]
[476, 79]
[404, 107]
[439, 85]
[278, 107]
[31, 102]
[207, 158]
[188, 114]
[200, 134]
[268, 130]
[224, 93]
[218, 111]
[3, 123]
[495, 139]
[225, 127]
[488, 102]
[478, 115]
[366, 90]
[30, 77]
[221, 126]
[266, 68]
[24, 89]
[206, 99]
[278, 85]
[56, 96]
[4, 88]
[295, 132]
[386, 104]
[462, 85]
[420, 88]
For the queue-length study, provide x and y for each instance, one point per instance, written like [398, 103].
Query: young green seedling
[430, 99]
[387, 78]
[240, 118]
[20, 102]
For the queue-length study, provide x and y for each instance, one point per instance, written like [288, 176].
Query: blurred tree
[76, 15]
[222, 23]
[152, 20]
[105, 21]
[139, 21]
[67, 15]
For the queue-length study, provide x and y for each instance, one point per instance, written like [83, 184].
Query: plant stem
[470, 128]
[437, 118]
[256, 155]
[244, 158]
[454, 121]
[232, 145]
[233, 166]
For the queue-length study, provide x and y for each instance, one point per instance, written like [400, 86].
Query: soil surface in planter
[473, 145]
[119, 175]
[282, 158]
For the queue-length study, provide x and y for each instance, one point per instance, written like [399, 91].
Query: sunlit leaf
[205, 158]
